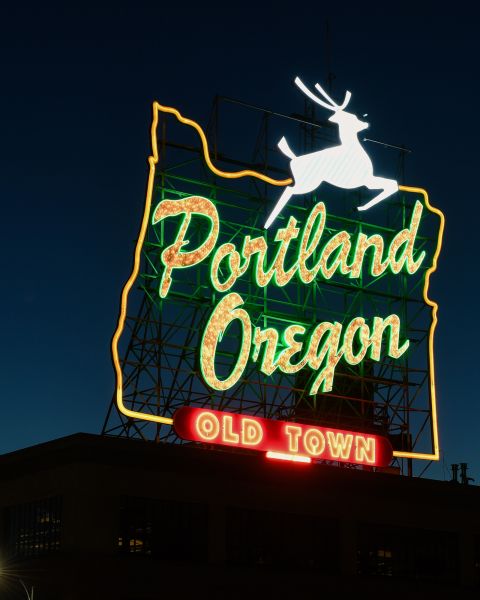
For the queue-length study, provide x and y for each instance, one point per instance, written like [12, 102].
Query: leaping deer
[346, 166]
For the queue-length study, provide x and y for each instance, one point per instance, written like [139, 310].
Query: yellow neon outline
[206, 153]
[152, 161]
[431, 357]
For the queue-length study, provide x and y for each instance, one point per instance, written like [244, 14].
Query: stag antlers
[346, 165]
[332, 104]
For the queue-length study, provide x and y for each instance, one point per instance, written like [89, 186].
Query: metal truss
[160, 345]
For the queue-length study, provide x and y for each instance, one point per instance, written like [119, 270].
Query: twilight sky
[77, 87]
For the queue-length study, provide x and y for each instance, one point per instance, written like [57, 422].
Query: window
[286, 541]
[163, 528]
[33, 529]
[407, 552]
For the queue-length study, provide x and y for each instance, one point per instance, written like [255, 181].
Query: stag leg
[389, 187]
[284, 198]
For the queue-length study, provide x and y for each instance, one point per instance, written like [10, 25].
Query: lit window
[165, 529]
[34, 528]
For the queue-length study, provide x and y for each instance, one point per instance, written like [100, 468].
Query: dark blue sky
[77, 87]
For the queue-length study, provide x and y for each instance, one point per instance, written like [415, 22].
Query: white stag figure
[345, 166]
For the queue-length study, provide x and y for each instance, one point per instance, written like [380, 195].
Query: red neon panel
[268, 435]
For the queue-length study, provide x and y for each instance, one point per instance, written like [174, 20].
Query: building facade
[89, 516]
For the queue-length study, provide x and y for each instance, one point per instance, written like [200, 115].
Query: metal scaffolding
[159, 347]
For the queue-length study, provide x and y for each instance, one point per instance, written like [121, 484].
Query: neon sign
[347, 165]
[323, 345]
[295, 440]
[301, 252]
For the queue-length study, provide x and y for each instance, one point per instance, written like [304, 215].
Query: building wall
[232, 525]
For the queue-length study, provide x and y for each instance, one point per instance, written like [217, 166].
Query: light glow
[293, 433]
[321, 349]
[435, 455]
[341, 444]
[314, 442]
[226, 311]
[291, 439]
[228, 175]
[173, 257]
[345, 166]
[332, 258]
[207, 426]
[306, 275]
[365, 450]
[290, 457]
